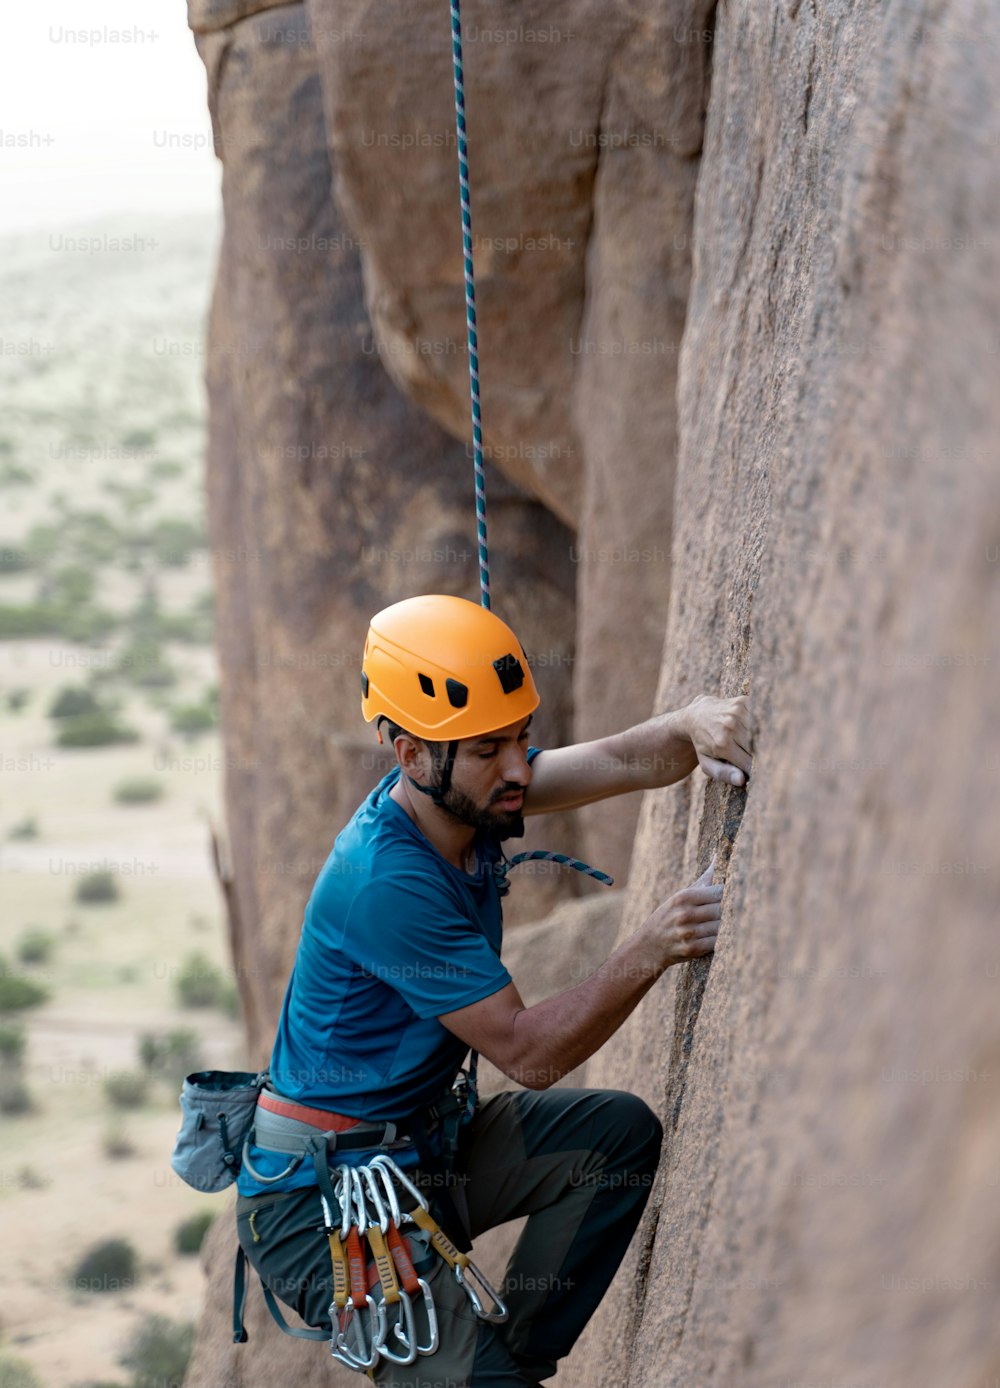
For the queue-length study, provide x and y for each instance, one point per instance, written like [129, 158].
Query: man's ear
[410, 752]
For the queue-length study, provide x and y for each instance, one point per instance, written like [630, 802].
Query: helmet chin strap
[437, 793]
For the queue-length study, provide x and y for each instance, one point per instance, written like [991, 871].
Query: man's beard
[503, 824]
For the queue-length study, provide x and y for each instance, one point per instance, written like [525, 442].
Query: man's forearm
[655, 753]
[553, 1037]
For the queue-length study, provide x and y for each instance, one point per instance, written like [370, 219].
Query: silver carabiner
[342, 1351]
[433, 1339]
[390, 1166]
[355, 1212]
[387, 1169]
[382, 1214]
[358, 1200]
[466, 1279]
[405, 1331]
[389, 1189]
[342, 1190]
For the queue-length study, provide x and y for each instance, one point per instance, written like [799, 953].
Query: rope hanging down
[470, 301]
[477, 414]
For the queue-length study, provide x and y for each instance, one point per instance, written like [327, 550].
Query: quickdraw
[366, 1327]
[465, 1271]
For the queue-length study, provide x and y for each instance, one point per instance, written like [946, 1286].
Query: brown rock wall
[829, 1080]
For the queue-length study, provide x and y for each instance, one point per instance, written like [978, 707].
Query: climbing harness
[376, 1286]
[373, 1308]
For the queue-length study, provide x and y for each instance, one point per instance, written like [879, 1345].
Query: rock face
[827, 1210]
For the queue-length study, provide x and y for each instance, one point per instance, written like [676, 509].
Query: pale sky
[90, 125]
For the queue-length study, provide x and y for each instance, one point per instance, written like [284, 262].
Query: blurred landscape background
[114, 978]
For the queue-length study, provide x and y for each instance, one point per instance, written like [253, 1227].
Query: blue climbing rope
[470, 300]
[505, 866]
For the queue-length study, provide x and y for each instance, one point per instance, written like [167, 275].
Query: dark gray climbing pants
[579, 1163]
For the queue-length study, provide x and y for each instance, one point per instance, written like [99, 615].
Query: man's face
[490, 777]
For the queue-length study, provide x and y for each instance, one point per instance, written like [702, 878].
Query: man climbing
[398, 974]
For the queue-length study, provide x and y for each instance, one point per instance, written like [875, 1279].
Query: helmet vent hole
[509, 672]
[426, 684]
[458, 693]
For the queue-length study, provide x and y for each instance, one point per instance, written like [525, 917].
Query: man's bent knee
[636, 1125]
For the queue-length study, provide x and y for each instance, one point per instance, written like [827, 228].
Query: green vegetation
[42, 544]
[30, 619]
[17, 1373]
[193, 719]
[76, 623]
[93, 538]
[14, 1096]
[85, 721]
[74, 700]
[138, 790]
[86, 625]
[12, 1044]
[190, 1233]
[126, 1088]
[201, 983]
[109, 1266]
[134, 499]
[18, 992]
[171, 1055]
[14, 475]
[35, 946]
[142, 661]
[158, 1353]
[13, 561]
[71, 586]
[97, 888]
[174, 541]
[139, 439]
[165, 468]
[99, 729]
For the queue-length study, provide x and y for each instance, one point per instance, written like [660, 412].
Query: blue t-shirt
[394, 935]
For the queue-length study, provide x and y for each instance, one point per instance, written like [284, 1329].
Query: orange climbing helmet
[444, 668]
